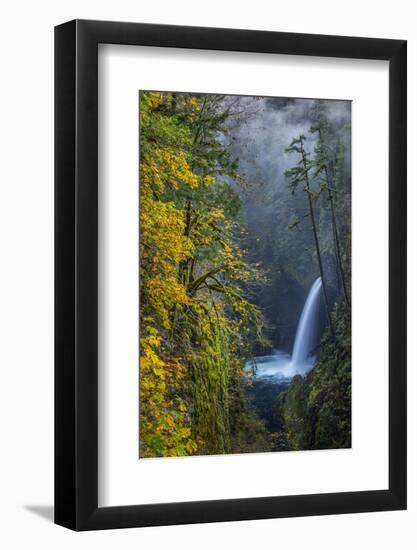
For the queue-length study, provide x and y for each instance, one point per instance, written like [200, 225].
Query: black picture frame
[76, 272]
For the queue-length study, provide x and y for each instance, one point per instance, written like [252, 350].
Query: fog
[277, 222]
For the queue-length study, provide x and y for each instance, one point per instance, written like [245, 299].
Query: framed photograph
[230, 252]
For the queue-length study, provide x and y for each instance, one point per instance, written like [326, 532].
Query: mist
[277, 225]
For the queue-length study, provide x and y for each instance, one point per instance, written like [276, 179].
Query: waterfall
[307, 331]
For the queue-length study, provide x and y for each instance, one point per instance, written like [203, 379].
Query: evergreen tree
[323, 160]
[299, 174]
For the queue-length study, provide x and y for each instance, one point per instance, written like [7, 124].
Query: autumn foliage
[197, 323]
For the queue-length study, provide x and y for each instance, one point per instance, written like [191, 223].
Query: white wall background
[26, 272]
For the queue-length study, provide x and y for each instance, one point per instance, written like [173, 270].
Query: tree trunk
[335, 232]
[316, 240]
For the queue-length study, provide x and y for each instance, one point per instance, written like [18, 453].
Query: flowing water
[306, 338]
[280, 365]
[274, 372]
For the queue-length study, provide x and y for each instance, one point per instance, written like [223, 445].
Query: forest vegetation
[235, 225]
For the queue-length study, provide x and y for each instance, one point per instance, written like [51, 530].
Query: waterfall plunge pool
[278, 367]
[272, 375]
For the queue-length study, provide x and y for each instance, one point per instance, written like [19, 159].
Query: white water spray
[307, 331]
[280, 365]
